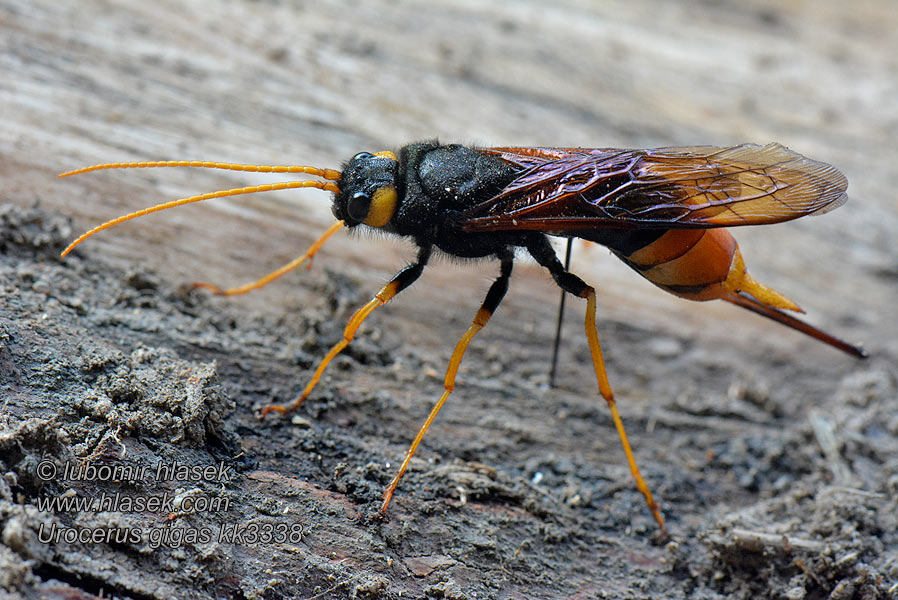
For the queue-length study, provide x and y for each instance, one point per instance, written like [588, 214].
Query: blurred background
[313, 83]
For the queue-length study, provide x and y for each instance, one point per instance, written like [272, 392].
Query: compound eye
[357, 207]
[362, 155]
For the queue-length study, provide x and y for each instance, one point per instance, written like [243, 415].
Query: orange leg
[592, 335]
[312, 251]
[493, 298]
[402, 280]
[542, 251]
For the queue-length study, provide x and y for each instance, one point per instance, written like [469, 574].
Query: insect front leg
[309, 254]
[400, 281]
[542, 251]
[489, 306]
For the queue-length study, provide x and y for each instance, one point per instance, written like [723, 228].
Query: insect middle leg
[542, 251]
[400, 281]
[493, 298]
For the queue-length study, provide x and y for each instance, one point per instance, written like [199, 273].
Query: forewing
[564, 190]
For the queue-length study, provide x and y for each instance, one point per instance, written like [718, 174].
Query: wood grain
[272, 82]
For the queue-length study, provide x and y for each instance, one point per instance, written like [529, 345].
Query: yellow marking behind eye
[383, 206]
[386, 154]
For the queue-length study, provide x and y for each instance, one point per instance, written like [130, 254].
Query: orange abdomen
[697, 264]
[692, 263]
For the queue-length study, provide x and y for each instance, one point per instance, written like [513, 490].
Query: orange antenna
[329, 174]
[288, 185]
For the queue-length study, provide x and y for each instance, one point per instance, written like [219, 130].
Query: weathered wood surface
[313, 83]
[284, 83]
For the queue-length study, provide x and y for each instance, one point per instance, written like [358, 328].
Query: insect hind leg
[542, 251]
[489, 306]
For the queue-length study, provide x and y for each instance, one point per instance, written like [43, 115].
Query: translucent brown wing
[565, 190]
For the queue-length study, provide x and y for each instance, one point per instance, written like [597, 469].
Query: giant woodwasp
[664, 212]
